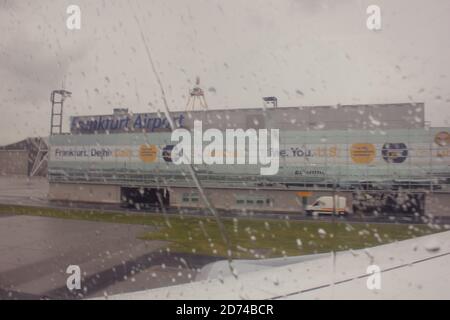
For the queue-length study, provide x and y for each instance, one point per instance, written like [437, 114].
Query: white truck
[325, 205]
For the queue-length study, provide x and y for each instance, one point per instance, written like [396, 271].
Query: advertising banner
[398, 154]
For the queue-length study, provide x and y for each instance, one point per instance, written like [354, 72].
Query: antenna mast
[196, 95]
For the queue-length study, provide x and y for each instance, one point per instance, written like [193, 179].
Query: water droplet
[432, 246]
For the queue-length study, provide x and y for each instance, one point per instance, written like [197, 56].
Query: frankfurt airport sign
[140, 122]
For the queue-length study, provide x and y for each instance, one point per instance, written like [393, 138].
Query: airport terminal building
[125, 158]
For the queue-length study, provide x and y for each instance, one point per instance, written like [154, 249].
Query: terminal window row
[190, 197]
[253, 200]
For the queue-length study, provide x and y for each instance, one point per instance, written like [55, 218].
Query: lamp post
[57, 109]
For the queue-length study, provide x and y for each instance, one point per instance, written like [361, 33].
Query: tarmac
[35, 253]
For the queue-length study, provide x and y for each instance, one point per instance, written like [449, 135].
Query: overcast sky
[305, 52]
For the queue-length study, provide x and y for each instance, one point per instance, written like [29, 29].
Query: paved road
[22, 190]
[36, 251]
[407, 219]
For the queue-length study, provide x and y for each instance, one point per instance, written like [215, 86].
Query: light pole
[57, 109]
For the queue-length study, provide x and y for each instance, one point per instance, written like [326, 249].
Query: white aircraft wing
[412, 269]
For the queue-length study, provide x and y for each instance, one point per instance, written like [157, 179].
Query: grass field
[249, 238]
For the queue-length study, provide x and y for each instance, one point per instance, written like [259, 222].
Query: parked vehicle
[326, 205]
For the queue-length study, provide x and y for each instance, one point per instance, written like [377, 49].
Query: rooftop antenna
[271, 100]
[196, 95]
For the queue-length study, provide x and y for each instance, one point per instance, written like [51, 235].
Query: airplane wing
[411, 269]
